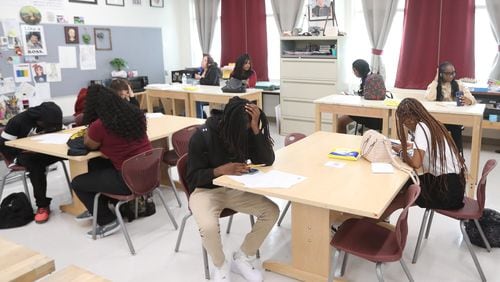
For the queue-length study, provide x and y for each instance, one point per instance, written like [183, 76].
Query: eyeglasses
[452, 73]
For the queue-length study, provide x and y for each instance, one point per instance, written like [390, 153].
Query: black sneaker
[105, 230]
[86, 215]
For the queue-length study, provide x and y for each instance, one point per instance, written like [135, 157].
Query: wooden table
[158, 130]
[18, 263]
[351, 105]
[74, 274]
[317, 200]
[199, 93]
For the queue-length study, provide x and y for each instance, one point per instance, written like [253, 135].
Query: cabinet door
[310, 69]
[306, 89]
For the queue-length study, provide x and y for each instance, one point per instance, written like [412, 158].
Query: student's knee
[271, 211]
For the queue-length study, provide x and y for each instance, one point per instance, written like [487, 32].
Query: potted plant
[119, 65]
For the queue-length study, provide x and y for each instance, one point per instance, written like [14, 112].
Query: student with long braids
[118, 129]
[243, 71]
[222, 147]
[443, 180]
[361, 69]
[444, 88]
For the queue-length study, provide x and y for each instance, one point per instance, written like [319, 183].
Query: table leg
[149, 103]
[385, 125]
[317, 123]
[475, 150]
[76, 207]
[192, 108]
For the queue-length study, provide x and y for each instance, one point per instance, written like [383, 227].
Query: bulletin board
[140, 47]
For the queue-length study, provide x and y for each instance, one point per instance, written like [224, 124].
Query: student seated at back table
[123, 89]
[361, 69]
[221, 147]
[40, 119]
[118, 130]
[444, 88]
[210, 75]
[243, 71]
[444, 170]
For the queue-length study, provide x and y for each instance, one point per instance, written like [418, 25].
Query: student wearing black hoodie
[221, 147]
[40, 119]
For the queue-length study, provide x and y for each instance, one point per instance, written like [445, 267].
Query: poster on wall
[22, 73]
[39, 72]
[7, 85]
[53, 72]
[34, 40]
[67, 57]
[10, 27]
[87, 57]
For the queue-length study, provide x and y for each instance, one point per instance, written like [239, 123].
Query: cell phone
[252, 171]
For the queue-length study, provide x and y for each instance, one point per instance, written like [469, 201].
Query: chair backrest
[293, 137]
[180, 139]
[141, 172]
[182, 169]
[481, 187]
[7, 160]
[79, 119]
[401, 230]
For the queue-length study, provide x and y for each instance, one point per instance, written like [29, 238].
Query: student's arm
[211, 77]
[89, 143]
[430, 93]
[468, 98]
[415, 161]
[260, 151]
[94, 135]
[134, 101]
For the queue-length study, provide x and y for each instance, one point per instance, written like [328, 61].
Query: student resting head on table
[221, 147]
[361, 69]
[444, 87]
[40, 119]
[118, 130]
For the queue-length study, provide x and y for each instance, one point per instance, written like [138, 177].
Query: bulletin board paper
[22, 73]
[67, 57]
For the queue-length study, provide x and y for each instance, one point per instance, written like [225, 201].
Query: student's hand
[437, 75]
[130, 92]
[465, 101]
[231, 169]
[254, 113]
[197, 76]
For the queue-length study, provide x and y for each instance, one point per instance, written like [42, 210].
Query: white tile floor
[444, 257]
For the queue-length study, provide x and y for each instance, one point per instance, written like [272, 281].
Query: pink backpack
[374, 88]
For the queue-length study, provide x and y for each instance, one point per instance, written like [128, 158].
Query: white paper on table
[67, 57]
[154, 115]
[53, 138]
[87, 57]
[382, 168]
[7, 85]
[271, 179]
[334, 164]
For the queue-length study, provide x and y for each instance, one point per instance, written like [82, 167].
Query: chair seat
[367, 240]
[170, 157]
[470, 210]
[121, 197]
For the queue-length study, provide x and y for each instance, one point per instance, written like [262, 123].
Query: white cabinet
[309, 67]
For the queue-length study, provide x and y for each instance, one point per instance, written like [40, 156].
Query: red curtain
[243, 27]
[435, 31]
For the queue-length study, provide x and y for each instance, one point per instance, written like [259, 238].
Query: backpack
[490, 223]
[374, 88]
[146, 207]
[234, 85]
[15, 211]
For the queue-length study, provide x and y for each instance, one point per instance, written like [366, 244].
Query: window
[485, 45]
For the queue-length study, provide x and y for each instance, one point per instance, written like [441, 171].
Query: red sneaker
[42, 215]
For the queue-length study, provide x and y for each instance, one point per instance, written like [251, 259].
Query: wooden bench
[18, 263]
[74, 274]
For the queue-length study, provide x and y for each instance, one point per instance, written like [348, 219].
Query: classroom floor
[444, 256]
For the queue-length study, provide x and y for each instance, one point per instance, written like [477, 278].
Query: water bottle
[184, 78]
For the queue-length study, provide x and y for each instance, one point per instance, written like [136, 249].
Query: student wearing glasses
[444, 87]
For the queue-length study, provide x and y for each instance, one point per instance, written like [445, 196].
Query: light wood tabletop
[18, 263]
[74, 273]
[316, 201]
[159, 128]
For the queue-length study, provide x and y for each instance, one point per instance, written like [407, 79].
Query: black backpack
[490, 223]
[15, 211]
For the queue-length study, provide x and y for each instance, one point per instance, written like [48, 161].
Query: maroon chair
[364, 238]
[180, 142]
[142, 175]
[472, 210]
[290, 139]
[181, 168]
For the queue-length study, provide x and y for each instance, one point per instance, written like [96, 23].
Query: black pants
[456, 135]
[36, 165]
[102, 177]
[432, 194]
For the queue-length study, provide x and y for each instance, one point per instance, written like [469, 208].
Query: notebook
[344, 154]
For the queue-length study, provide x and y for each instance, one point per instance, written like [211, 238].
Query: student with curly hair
[118, 130]
[243, 71]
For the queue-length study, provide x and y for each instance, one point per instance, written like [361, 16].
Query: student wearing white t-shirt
[443, 169]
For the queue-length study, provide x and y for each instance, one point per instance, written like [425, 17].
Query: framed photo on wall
[84, 1]
[115, 2]
[102, 38]
[319, 10]
[156, 3]
[33, 40]
[71, 35]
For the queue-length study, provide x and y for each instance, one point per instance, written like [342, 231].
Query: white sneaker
[222, 274]
[242, 264]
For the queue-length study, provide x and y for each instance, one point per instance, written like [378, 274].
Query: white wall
[173, 19]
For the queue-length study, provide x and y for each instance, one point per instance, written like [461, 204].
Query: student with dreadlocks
[118, 130]
[222, 147]
[243, 71]
[444, 170]
[444, 88]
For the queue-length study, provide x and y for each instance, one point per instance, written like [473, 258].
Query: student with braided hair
[444, 88]
[221, 147]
